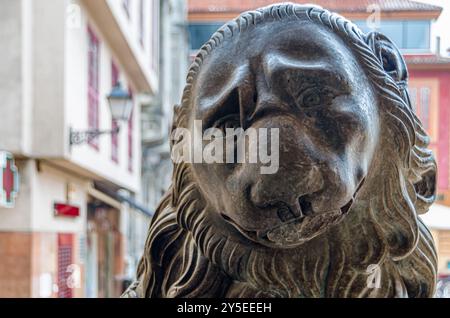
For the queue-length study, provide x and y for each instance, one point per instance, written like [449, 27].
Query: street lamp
[120, 105]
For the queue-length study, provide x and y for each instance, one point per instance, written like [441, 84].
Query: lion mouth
[295, 231]
[298, 230]
[305, 228]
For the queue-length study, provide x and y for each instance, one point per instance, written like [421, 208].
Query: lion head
[354, 169]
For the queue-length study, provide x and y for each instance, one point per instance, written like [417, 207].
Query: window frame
[217, 24]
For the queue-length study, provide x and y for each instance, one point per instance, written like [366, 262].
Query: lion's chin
[296, 231]
[299, 231]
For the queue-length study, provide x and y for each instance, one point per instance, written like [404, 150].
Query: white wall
[43, 86]
[130, 29]
[15, 76]
[41, 186]
[49, 139]
[49, 187]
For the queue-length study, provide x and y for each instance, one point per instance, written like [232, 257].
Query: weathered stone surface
[339, 218]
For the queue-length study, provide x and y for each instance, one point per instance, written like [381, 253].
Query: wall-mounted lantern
[120, 105]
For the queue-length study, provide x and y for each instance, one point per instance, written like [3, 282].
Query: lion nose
[285, 213]
[284, 202]
[300, 209]
[305, 206]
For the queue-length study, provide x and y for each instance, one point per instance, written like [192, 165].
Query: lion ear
[389, 56]
[425, 190]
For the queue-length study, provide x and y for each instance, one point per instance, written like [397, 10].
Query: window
[199, 33]
[141, 22]
[423, 94]
[130, 138]
[413, 98]
[425, 107]
[114, 124]
[394, 31]
[407, 35]
[417, 35]
[93, 84]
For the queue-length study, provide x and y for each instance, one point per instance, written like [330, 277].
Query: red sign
[62, 209]
[9, 177]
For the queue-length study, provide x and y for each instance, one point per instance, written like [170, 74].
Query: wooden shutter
[114, 124]
[93, 84]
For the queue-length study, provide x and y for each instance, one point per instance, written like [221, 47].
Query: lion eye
[314, 97]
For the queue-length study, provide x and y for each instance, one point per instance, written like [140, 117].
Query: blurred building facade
[157, 113]
[438, 222]
[62, 59]
[417, 28]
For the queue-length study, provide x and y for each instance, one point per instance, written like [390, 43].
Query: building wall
[29, 232]
[52, 185]
[42, 186]
[129, 25]
[15, 76]
[29, 265]
[48, 133]
[19, 219]
[439, 130]
[15, 275]
[442, 243]
[444, 252]
[43, 84]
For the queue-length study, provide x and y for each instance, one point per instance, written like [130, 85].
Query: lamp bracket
[81, 137]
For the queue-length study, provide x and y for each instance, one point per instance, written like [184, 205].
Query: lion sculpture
[340, 216]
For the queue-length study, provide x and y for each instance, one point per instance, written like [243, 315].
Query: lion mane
[185, 256]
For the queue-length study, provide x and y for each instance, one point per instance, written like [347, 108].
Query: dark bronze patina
[340, 217]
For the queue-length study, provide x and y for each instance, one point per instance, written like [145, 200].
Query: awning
[118, 198]
[134, 204]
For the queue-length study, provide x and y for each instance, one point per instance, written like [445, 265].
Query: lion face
[351, 151]
[305, 82]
